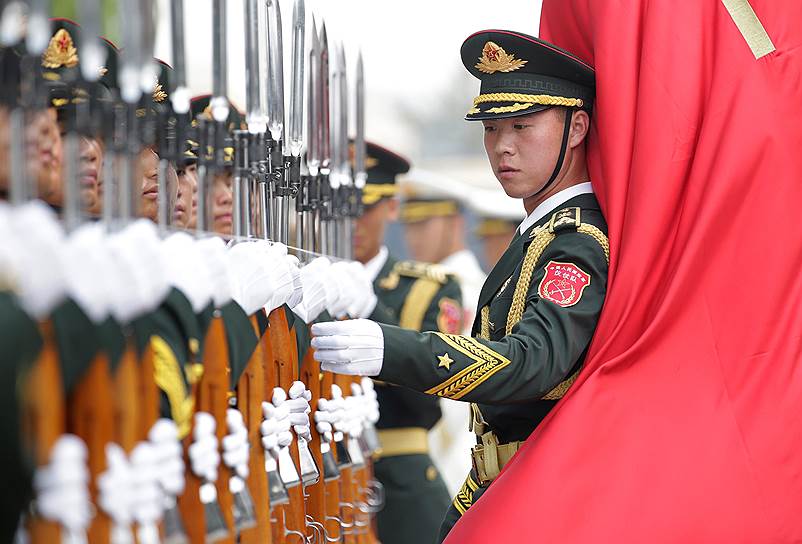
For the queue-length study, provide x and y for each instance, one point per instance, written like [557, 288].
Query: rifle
[250, 393]
[213, 398]
[90, 408]
[292, 518]
[44, 419]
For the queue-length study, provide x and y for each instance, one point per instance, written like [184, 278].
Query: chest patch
[563, 283]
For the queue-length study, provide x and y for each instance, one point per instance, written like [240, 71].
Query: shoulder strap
[417, 302]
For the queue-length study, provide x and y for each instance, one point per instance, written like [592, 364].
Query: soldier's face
[222, 203]
[149, 188]
[44, 155]
[91, 167]
[369, 231]
[431, 240]
[523, 150]
[187, 185]
[192, 177]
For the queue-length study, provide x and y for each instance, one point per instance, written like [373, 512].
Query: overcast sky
[410, 48]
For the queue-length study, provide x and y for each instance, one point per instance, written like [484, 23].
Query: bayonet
[311, 189]
[324, 197]
[292, 162]
[275, 123]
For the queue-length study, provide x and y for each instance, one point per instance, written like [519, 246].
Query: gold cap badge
[158, 93]
[60, 51]
[495, 59]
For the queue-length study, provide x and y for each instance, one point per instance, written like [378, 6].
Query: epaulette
[569, 219]
[414, 269]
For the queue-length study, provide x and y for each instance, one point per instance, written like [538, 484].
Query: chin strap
[563, 148]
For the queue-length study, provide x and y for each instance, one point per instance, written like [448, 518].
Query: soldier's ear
[580, 124]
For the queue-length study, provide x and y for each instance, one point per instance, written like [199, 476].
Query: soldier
[432, 212]
[222, 203]
[499, 217]
[540, 304]
[420, 297]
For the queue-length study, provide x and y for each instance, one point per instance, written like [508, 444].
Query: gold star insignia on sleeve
[445, 361]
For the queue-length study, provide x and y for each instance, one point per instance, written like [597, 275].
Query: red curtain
[685, 424]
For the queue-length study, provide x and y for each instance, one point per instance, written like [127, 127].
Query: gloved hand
[203, 455]
[314, 277]
[169, 456]
[62, 486]
[282, 275]
[340, 422]
[354, 347]
[297, 295]
[40, 278]
[236, 450]
[147, 497]
[88, 271]
[298, 405]
[252, 280]
[275, 427]
[366, 299]
[115, 486]
[354, 414]
[371, 400]
[213, 251]
[341, 290]
[187, 270]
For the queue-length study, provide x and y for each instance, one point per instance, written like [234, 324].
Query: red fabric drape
[685, 424]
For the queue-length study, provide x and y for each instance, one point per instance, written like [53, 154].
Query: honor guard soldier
[420, 297]
[433, 215]
[540, 304]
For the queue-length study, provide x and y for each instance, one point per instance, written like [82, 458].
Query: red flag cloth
[685, 424]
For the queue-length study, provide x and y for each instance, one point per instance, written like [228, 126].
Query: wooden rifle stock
[332, 489]
[43, 420]
[213, 398]
[285, 360]
[316, 500]
[348, 491]
[90, 415]
[250, 394]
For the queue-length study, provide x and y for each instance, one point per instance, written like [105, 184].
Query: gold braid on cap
[542, 99]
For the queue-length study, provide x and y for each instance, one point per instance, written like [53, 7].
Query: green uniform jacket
[421, 297]
[517, 375]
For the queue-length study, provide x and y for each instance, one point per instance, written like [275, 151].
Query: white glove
[297, 295]
[88, 270]
[40, 277]
[314, 277]
[203, 455]
[170, 461]
[281, 276]
[187, 270]
[62, 486]
[275, 427]
[366, 299]
[354, 347]
[236, 450]
[371, 400]
[115, 487]
[299, 408]
[252, 280]
[347, 294]
[213, 251]
[147, 497]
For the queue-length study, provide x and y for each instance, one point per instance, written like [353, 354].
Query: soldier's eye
[519, 126]
[488, 128]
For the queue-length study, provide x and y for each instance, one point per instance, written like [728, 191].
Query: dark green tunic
[516, 373]
[421, 297]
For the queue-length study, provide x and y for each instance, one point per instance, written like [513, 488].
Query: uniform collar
[553, 202]
[375, 265]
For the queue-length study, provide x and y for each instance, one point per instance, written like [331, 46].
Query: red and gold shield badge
[563, 283]
[449, 320]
